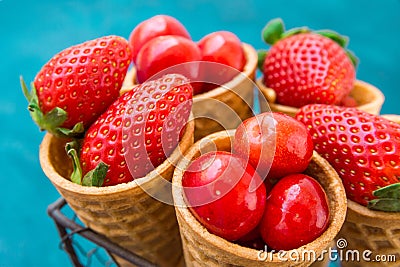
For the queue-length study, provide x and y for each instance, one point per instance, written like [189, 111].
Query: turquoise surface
[33, 31]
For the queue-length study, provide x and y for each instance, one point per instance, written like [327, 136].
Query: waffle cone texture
[368, 98]
[377, 231]
[201, 248]
[233, 100]
[124, 213]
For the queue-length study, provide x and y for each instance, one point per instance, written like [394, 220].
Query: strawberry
[305, 67]
[296, 213]
[136, 133]
[78, 84]
[363, 148]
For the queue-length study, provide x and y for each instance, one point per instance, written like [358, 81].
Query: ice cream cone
[223, 107]
[368, 98]
[201, 248]
[124, 213]
[368, 230]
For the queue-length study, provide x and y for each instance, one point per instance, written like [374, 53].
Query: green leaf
[352, 57]
[25, 90]
[52, 120]
[76, 132]
[334, 36]
[96, 176]
[390, 191]
[273, 31]
[262, 54]
[72, 151]
[55, 117]
[385, 204]
[295, 31]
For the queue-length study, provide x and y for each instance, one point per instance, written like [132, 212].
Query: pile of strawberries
[257, 191]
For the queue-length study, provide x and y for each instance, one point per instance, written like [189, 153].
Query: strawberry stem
[71, 149]
[94, 177]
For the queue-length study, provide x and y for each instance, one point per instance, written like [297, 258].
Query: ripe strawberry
[158, 25]
[296, 213]
[305, 67]
[222, 193]
[78, 84]
[363, 148]
[138, 131]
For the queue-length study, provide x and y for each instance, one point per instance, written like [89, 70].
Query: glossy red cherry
[296, 213]
[222, 47]
[155, 26]
[163, 52]
[220, 190]
[275, 144]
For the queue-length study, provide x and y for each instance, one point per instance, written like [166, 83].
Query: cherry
[225, 194]
[163, 52]
[275, 144]
[296, 213]
[158, 25]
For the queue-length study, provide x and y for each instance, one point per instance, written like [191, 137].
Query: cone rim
[248, 71]
[338, 201]
[63, 182]
[377, 102]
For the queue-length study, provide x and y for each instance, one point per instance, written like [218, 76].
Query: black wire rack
[69, 228]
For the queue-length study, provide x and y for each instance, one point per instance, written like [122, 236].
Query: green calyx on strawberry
[94, 177]
[77, 84]
[135, 134]
[306, 67]
[275, 31]
[363, 148]
[52, 120]
[387, 198]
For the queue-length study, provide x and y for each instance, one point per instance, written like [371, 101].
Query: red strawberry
[296, 213]
[305, 67]
[363, 148]
[158, 25]
[78, 84]
[138, 131]
[221, 190]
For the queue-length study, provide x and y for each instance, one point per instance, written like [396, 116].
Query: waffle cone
[202, 248]
[377, 231]
[368, 97]
[234, 99]
[124, 213]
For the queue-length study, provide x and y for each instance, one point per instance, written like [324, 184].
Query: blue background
[32, 31]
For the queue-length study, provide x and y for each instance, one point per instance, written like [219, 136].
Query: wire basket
[101, 248]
